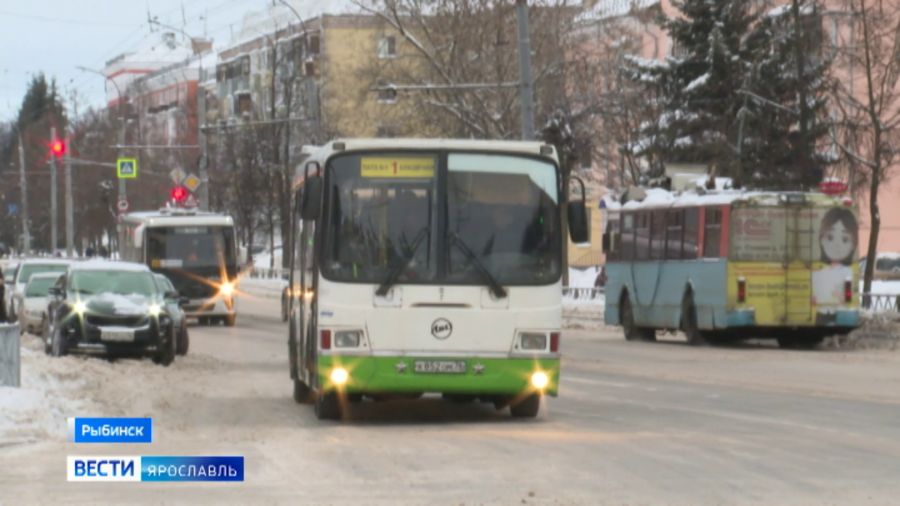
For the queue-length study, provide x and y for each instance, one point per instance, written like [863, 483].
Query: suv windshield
[116, 282]
[39, 287]
[411, 217]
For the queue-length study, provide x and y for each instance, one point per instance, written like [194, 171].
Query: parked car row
[98, 307]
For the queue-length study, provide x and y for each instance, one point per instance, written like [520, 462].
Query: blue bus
[729, 265]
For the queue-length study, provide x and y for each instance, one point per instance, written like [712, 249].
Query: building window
[313, 44]
[309, 69]
[387, 47]
[244, 104]
[386, 93]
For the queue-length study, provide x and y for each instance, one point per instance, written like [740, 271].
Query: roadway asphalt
[635, 423]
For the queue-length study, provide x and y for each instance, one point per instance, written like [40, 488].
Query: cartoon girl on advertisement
[838, 236]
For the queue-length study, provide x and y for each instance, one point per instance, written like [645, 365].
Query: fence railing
[584, 294]
[880, 303]
[10, 355]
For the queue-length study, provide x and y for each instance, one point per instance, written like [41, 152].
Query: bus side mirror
[577, 216]
[578, 227]
[311, 199]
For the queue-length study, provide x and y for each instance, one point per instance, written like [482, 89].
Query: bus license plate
[440, 366]
[118, 336]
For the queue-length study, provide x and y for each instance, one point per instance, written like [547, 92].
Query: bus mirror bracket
[311, 201]
[577, 217]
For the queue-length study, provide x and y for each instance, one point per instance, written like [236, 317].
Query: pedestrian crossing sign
[127, 168]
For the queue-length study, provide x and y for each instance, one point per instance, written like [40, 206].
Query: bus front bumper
[479, 376]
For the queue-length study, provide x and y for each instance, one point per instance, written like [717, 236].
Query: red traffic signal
[57, 147]
[179, 194]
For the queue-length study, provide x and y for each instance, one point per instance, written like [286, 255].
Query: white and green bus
[428, 266]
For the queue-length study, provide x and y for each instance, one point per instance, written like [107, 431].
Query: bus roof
[658, 198]
[175, 217]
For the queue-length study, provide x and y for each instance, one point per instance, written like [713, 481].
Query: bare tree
[868, 105]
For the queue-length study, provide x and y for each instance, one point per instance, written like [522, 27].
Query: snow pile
[582, 278]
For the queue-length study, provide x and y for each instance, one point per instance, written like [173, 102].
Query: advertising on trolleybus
[731, 265]
[428, 266]
[195, 250]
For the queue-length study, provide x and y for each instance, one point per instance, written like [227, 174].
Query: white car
[28, 268]
[33, 308]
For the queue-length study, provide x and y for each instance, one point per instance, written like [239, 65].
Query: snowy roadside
[266, 288]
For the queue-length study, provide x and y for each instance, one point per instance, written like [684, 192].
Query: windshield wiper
[398, 268]
[489, 278]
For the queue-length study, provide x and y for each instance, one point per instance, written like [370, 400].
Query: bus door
[799, 254]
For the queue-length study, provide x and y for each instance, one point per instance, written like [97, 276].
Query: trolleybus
[428, 266]
[195, 250]
[732, 265]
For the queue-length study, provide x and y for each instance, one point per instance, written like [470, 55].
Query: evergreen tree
[730, 96]
[777, 152]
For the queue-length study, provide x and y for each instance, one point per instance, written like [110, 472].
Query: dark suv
[112, 308]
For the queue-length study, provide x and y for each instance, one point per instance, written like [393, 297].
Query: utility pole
[23, 182]
[122, 193]
[54, 226]
[525, 84]
[70, 207]
[204, 146]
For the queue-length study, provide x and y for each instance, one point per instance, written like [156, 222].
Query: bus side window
[712, 232]
[691, 232]
[626, 240]
[642, 235]
[611, 238]
[674, 230]
[657, 234]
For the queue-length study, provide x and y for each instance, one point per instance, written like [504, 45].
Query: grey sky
[55, 36]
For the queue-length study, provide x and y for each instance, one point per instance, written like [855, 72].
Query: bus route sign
[391, 167]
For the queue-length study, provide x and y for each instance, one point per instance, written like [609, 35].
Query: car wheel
[527, 407]
[166, 355]
[327, 406]
[58, 347]
[184, 342]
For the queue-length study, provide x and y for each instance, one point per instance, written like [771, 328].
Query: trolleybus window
[712, 233]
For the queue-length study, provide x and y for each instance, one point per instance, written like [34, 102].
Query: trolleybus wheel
[632, 332]
[327, 406]
[689, 324]
[527, 407]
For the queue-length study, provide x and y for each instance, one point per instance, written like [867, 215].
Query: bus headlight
[347, 338]
[226, 288]
[339, 376]
[533, 341]
[539, 380]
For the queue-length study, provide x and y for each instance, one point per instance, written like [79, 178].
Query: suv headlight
[347, 338]
[533, 341]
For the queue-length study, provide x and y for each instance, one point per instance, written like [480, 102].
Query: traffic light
[57, 147]
[179, 194]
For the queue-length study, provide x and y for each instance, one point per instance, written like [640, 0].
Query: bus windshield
[185, 247]
[491, 212]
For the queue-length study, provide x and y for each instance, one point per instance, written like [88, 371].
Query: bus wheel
[527, 407]
[302, 392]
[632, 332]
[327, 406]
[689, 326]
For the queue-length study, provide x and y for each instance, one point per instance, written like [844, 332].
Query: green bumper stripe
[381, 375]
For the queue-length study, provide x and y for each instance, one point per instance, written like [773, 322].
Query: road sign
[177, 174]
[127, 168]
[122, 205]
[192, 182]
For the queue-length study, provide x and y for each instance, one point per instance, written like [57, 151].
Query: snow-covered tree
[778, 149]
